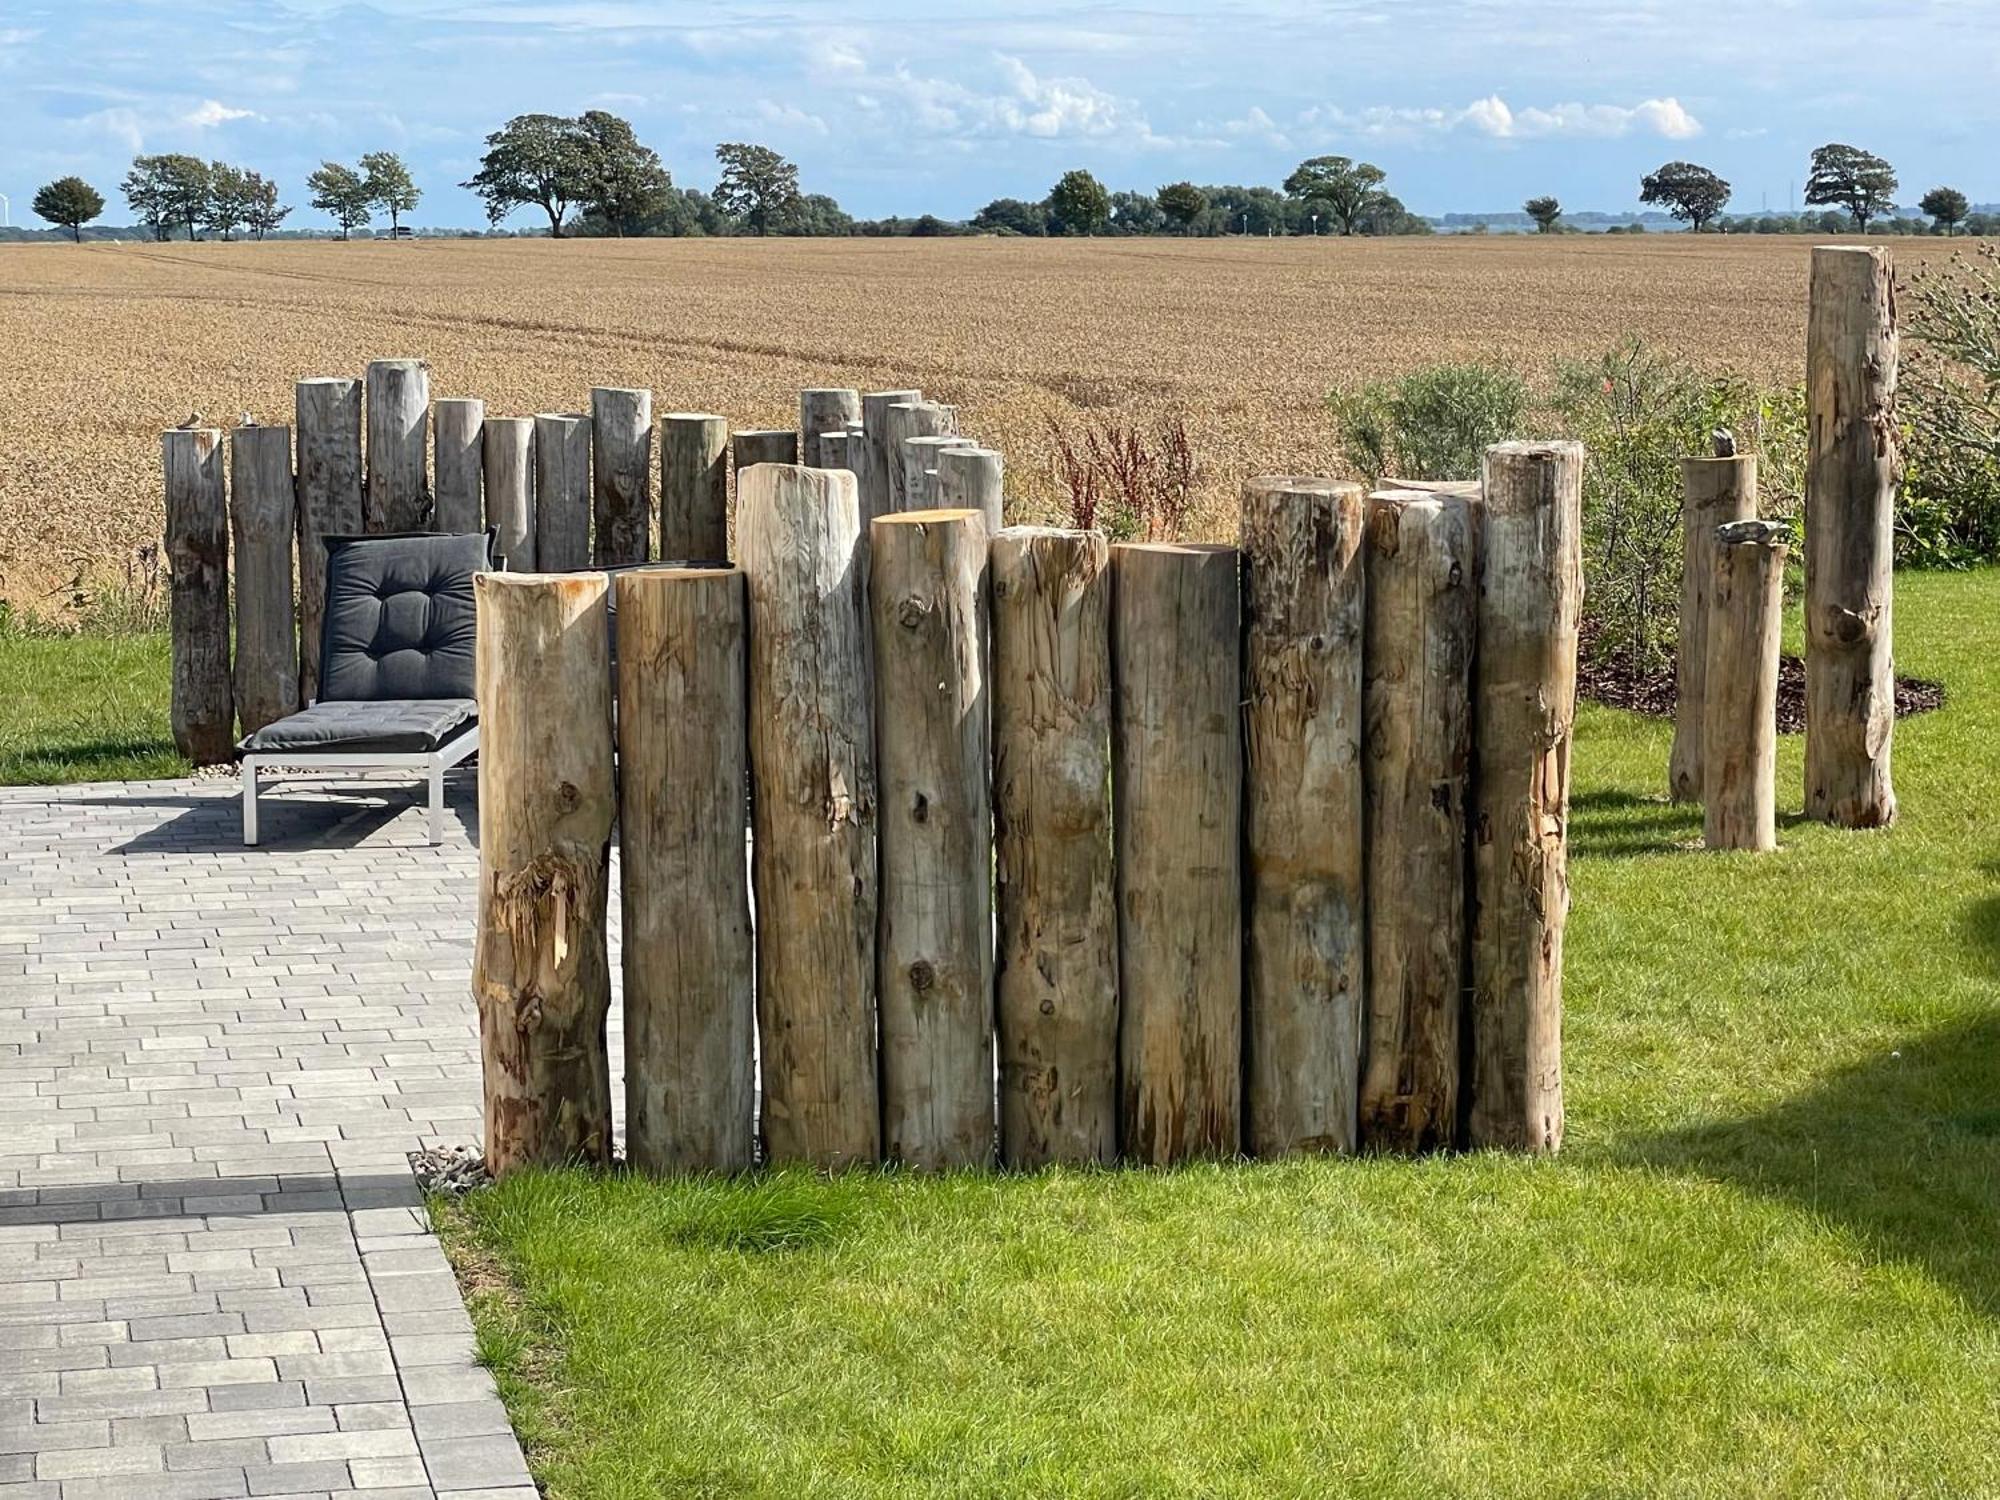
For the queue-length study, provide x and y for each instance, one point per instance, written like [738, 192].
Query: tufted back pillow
[399, 616]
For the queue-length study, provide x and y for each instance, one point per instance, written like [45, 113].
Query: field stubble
[1240, 338]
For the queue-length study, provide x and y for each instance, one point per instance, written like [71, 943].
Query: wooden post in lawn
[972, 478]
[1417, 642]
[765, 445]
[261, 525]
[683, 762]
[1058, 915]
[927, 599]
[694, 487]
[562, 492]
[1852, 469]
[1306, 937]
[903, 421]
[621, 452]
[1524, 716]
[203, 707]
[508, 447]
[1714, 490]
[821, 411]
[329, 501]
[540, 972]
[1177, 777]
[1740, 756]
[398, 494]
[920, 468]
[812, 774]
[872, 462]
[460, 465]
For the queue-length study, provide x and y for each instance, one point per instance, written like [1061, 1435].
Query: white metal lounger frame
[432, 762]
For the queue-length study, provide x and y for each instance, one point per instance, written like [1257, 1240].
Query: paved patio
[216, 1275]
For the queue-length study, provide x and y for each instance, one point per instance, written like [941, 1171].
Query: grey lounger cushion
[401, 727]
[399, 616]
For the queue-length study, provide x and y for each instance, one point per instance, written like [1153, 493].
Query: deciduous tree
[342, 193]
[70, 202]
[1947, 207]
[628, 187]
[169, 190]
[1348, 188]
[390, 186]
[1848, 177]
[759, 188]
[263, 211]
[1182, 203]
[1545, 211]
[544, 161]
[1079, 204]
[1691, 193]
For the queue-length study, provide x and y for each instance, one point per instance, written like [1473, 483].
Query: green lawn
[84, 707]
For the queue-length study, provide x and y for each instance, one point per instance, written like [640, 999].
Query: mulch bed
[1614, 680]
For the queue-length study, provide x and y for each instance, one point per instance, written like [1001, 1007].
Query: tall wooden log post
[1714, 490]
[812, 773]
[540, 970]
[1524, 715]
[1740, 755]
[832, 450]
[459, 463]
[764, 445]
[1058, 913]
[203, 707]
[903, 421]
[972, 478]
[562, 492]
[684, 760]
[262, 526]
[1851, 474]
[329, 501]
[927, 596]
[1417, 641]
[621, 466]
[871, 463]
[1177, 777]
[920, 468]
[398, 494]
[1306, 938]
[694, 487]
[509, 461]
[822, 411]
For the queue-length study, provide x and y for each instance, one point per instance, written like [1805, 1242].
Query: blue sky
[1469, 104]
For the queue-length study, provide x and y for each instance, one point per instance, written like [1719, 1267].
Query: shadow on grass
[91, 760]
[1623, 825]
[1903, 1150]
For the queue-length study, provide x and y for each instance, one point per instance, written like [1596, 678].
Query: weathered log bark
[1178, 758]
[694, 487]
[900, 423]
[1524, 715]
[460, 465]
[683, 763]
[1058, 913]
[927, 596]
[972, 478]
[261, 527]
[621, 439]
[1305, 937]
[562, 492]
[1417, 643]
[1851, 476]
[761, 445]
[871, 463]
[832, 450]
[1714, 490]
[203, 708]
[508, 447]
[398, 493]
[329, 502]
[540, 971]
[1740, 725]
[812, 771]
[822, 411]
[920, 462]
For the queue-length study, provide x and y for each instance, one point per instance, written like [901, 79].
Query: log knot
[912, 610]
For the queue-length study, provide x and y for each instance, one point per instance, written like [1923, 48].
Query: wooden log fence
[621, 464]
[398, 492]
[261, 524]
[562, 492]
[823, 412]
[203, 704]
[460, 465]
[1740, 713]
[694, 487]
[329, 501]
[508, 457]
[1714, 490]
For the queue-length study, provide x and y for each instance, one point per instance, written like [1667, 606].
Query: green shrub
[1949, 409]
[1434, 423]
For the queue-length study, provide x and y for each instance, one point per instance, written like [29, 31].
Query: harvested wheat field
[1240, 338]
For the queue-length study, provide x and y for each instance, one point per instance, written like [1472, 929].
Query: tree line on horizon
[591, 175]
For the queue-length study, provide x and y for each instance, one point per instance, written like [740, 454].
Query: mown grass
[85, 706]
[1767, 1263]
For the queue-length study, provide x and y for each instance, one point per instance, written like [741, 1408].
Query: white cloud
[1491, 117]
[791, 115]
[1666, 118]
[212, 112]
[119, 124]
[1013, 101]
